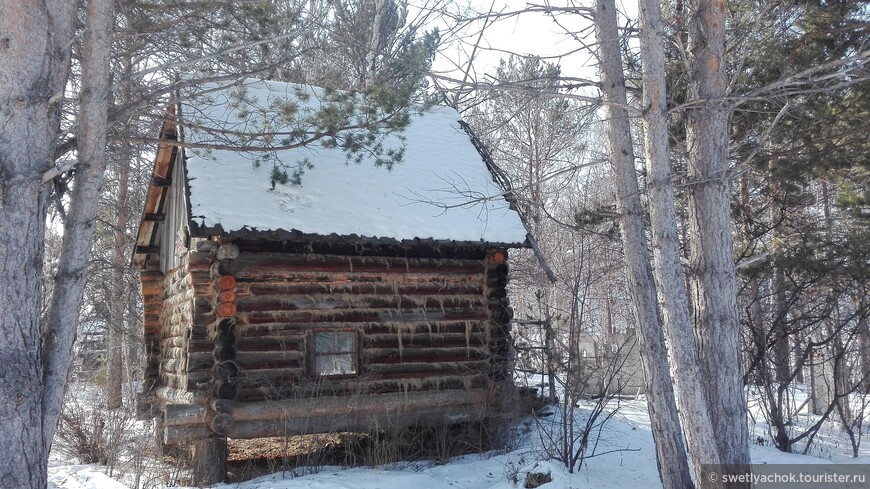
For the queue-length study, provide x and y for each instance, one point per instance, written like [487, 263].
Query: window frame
[355, 355]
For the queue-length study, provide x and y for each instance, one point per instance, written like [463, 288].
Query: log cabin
[359, 298]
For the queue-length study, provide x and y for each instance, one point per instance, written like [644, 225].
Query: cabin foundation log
[209, 462]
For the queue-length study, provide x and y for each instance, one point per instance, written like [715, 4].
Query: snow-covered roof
[441, 190]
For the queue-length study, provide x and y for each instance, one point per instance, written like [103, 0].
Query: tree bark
[670, 447]
[119, 333]
[713, 282]
[61, 319]
[34, 64]
[666, 248]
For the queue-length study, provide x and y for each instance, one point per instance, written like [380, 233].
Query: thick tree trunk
[864, 345]
[34, 63]
[670, 446]
[666, 248]
[713, 281]
[61, 320]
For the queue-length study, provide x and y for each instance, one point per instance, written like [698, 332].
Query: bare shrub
[93, 434]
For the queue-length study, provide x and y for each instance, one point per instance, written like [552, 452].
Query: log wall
[428, 327]
[151, 282]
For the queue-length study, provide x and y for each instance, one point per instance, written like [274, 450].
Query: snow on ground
[80, 477]
[626, 461]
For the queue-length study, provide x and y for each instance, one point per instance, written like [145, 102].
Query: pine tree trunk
[713, 283]
[34, 63]
[779, 309]
[670, 447]
[757, 366]
[669, 274]
[61, 320]
[864, 344]
[118, 332]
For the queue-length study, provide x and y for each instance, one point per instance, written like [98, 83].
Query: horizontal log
[496, 293]
[344, 247]
[357, 386]
[173, 380]
[227, 251]
[341, 406]
[180, 330]
[173, 366]
[226, 310]
[174, 435]
[201, 279]
[182, 414]
[174, 353]
[226, 296]
[220, 423]
[226, 390]
[498, 270]
[205, 245]
[173, 396]
[223, 353]
[409, 330]
[270, 360]
[496, 281]
[441, 287]
[286, 342]
[200, 361]
[196, 378]
[356, 316]
[406, 355]
[424, 339]
[196, 258]
[226, 370]
[266, 377]
[151, 291]
[400, 304]
[190, 345]
[367, 413]
[394, 370]
[278, 264]
[226, 282]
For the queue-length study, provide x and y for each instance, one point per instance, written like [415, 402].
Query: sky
[565, 38]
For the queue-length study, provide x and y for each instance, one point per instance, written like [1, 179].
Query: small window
[335, 353]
